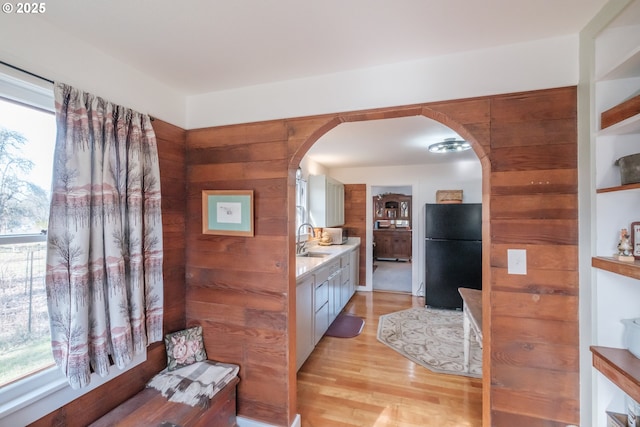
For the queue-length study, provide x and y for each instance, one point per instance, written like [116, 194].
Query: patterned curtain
[104, 258]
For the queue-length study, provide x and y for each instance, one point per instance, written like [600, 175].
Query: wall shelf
[625, 126]
[629, 269]
[618, 188]
[625, 68]
[614, 119]
[629, 109]
[619, 366]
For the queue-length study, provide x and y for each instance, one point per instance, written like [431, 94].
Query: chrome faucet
[300, 245]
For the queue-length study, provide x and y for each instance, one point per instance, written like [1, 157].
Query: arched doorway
[478, 139]
[389, 156]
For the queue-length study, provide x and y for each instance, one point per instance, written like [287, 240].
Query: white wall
[34, 45]
[424, 180]
[535, 65]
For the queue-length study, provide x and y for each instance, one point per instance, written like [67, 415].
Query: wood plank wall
[240, 288]
[91, 406]
[534, 318]
[355, 219]
[237, 287]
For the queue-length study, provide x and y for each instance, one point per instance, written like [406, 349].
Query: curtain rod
[27, 72]
[22, 70]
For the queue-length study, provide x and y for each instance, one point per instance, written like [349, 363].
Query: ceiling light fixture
[449, 145]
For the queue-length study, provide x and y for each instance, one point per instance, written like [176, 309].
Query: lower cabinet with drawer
[327, 279]
[321, 311]
[320, 297]
[304, 319]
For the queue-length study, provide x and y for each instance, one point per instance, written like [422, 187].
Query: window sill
[28, 400]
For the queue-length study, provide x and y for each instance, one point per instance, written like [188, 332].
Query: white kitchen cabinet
[305, 317]
[325, 279]
[322, 291]
[355, 270]
[334, 296]
[345, 280]
[612, 44]
[321, 315]
[326, 201]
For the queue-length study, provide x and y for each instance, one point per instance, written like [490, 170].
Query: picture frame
[227, 212]
[635, 239]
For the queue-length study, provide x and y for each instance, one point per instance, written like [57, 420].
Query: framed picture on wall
[227, 212]
[635, 239]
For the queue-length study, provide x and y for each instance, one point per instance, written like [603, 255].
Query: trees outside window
[27, 139]
[24, 205]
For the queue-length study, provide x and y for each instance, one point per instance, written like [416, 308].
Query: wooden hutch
[392, 226]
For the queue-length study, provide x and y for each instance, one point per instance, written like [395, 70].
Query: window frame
[35, 395]
[302, 205]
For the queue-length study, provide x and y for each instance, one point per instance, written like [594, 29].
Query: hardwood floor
[361, 382]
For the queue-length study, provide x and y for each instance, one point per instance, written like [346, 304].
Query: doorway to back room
[392, 238]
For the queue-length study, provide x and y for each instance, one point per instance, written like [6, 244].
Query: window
[33, 386]
[27, 139]
[301, 199]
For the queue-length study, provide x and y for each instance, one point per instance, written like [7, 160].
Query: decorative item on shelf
[449, 196]
[635, 239]
[624, 247]
[629, 169]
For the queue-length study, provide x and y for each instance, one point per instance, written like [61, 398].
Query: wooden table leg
[467, 327]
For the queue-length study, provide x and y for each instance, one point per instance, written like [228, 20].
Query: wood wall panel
[534, 306]
[535, 231]
[532, 157]
[555, 282]
[535, 206]
[508, 419]
[540, 257]
[536, 330]
[246, 153]
[534, 317]
[527, 145]
[510, 134]
[96, 403]
[240, 289]
[543, 181]
[230, 136]
[355, 216]
[533, 405]
[537, 379]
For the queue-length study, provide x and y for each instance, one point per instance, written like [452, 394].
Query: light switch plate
[517, 261]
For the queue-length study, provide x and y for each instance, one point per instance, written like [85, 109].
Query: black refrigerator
[453, 252]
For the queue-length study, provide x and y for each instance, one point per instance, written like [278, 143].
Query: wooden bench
[472, 315]
[150, 409]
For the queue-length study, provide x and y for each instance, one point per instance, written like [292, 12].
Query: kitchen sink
[314, 254]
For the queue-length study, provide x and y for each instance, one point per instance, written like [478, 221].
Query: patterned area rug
[432, 338]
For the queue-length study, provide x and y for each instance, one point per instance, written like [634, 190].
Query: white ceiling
[201, 46]
[388, 142]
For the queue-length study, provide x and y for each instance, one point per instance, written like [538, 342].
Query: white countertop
[306, 265]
